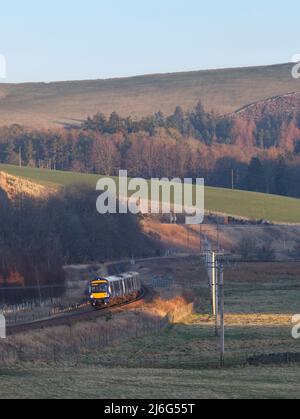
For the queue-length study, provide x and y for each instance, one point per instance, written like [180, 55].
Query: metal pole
[222, 319]
[216, 276]
[200, 238]
[20, 157]
[208, 267]
[213, 282]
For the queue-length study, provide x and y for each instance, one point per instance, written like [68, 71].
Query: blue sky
[62, 40]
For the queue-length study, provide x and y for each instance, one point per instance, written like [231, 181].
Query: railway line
[83, 314]
[87, 313]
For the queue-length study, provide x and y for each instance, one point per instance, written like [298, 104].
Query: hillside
[42, 105]
[276, 106]
[12, 186]
[217, 200]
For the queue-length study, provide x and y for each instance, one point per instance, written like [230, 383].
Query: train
[117, 289]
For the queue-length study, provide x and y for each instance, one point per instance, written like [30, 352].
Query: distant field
[41, 104]
[239, 203]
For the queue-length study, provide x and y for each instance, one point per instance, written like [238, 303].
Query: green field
[239, 203]
[224, 90]
[99, 383]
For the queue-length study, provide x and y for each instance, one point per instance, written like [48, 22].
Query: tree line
[207, 127]
[261, 155]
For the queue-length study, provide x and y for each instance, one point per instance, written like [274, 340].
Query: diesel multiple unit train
[114, 289]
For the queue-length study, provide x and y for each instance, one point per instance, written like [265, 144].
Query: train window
[99, 288]
[117, 288]
[124, 286]
[120, 283]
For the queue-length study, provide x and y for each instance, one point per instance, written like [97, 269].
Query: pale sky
[68, 39]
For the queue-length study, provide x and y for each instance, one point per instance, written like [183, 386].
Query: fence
[75, 342]
[163, 283]
[31, 312]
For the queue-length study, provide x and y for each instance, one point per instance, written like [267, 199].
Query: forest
[254, 154]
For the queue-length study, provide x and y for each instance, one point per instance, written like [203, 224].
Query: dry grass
[264, 272]
[14, 186]
[161, 307]
[187, 238]
[69, 102]
[257, 320]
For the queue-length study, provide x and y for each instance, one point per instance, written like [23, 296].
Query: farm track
[79, 315]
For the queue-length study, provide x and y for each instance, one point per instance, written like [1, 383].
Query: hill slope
[13, 186]
[284, 105]
[39, 104]
[238, 203]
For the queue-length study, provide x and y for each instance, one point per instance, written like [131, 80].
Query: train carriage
[114, 289]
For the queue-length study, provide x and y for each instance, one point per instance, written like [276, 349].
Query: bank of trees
[204, 126]
[38, 237]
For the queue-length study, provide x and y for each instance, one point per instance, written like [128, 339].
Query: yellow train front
[99, 292]
[114, 289]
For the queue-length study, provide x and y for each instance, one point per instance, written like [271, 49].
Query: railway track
[85, 314]
[73, 317]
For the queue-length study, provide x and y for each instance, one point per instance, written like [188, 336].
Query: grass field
[238, 203]
[260, 301]
[96, 382]
[41, 104]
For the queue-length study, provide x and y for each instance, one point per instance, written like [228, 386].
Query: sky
[72, 40]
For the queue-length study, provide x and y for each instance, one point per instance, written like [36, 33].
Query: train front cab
[99, 292]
